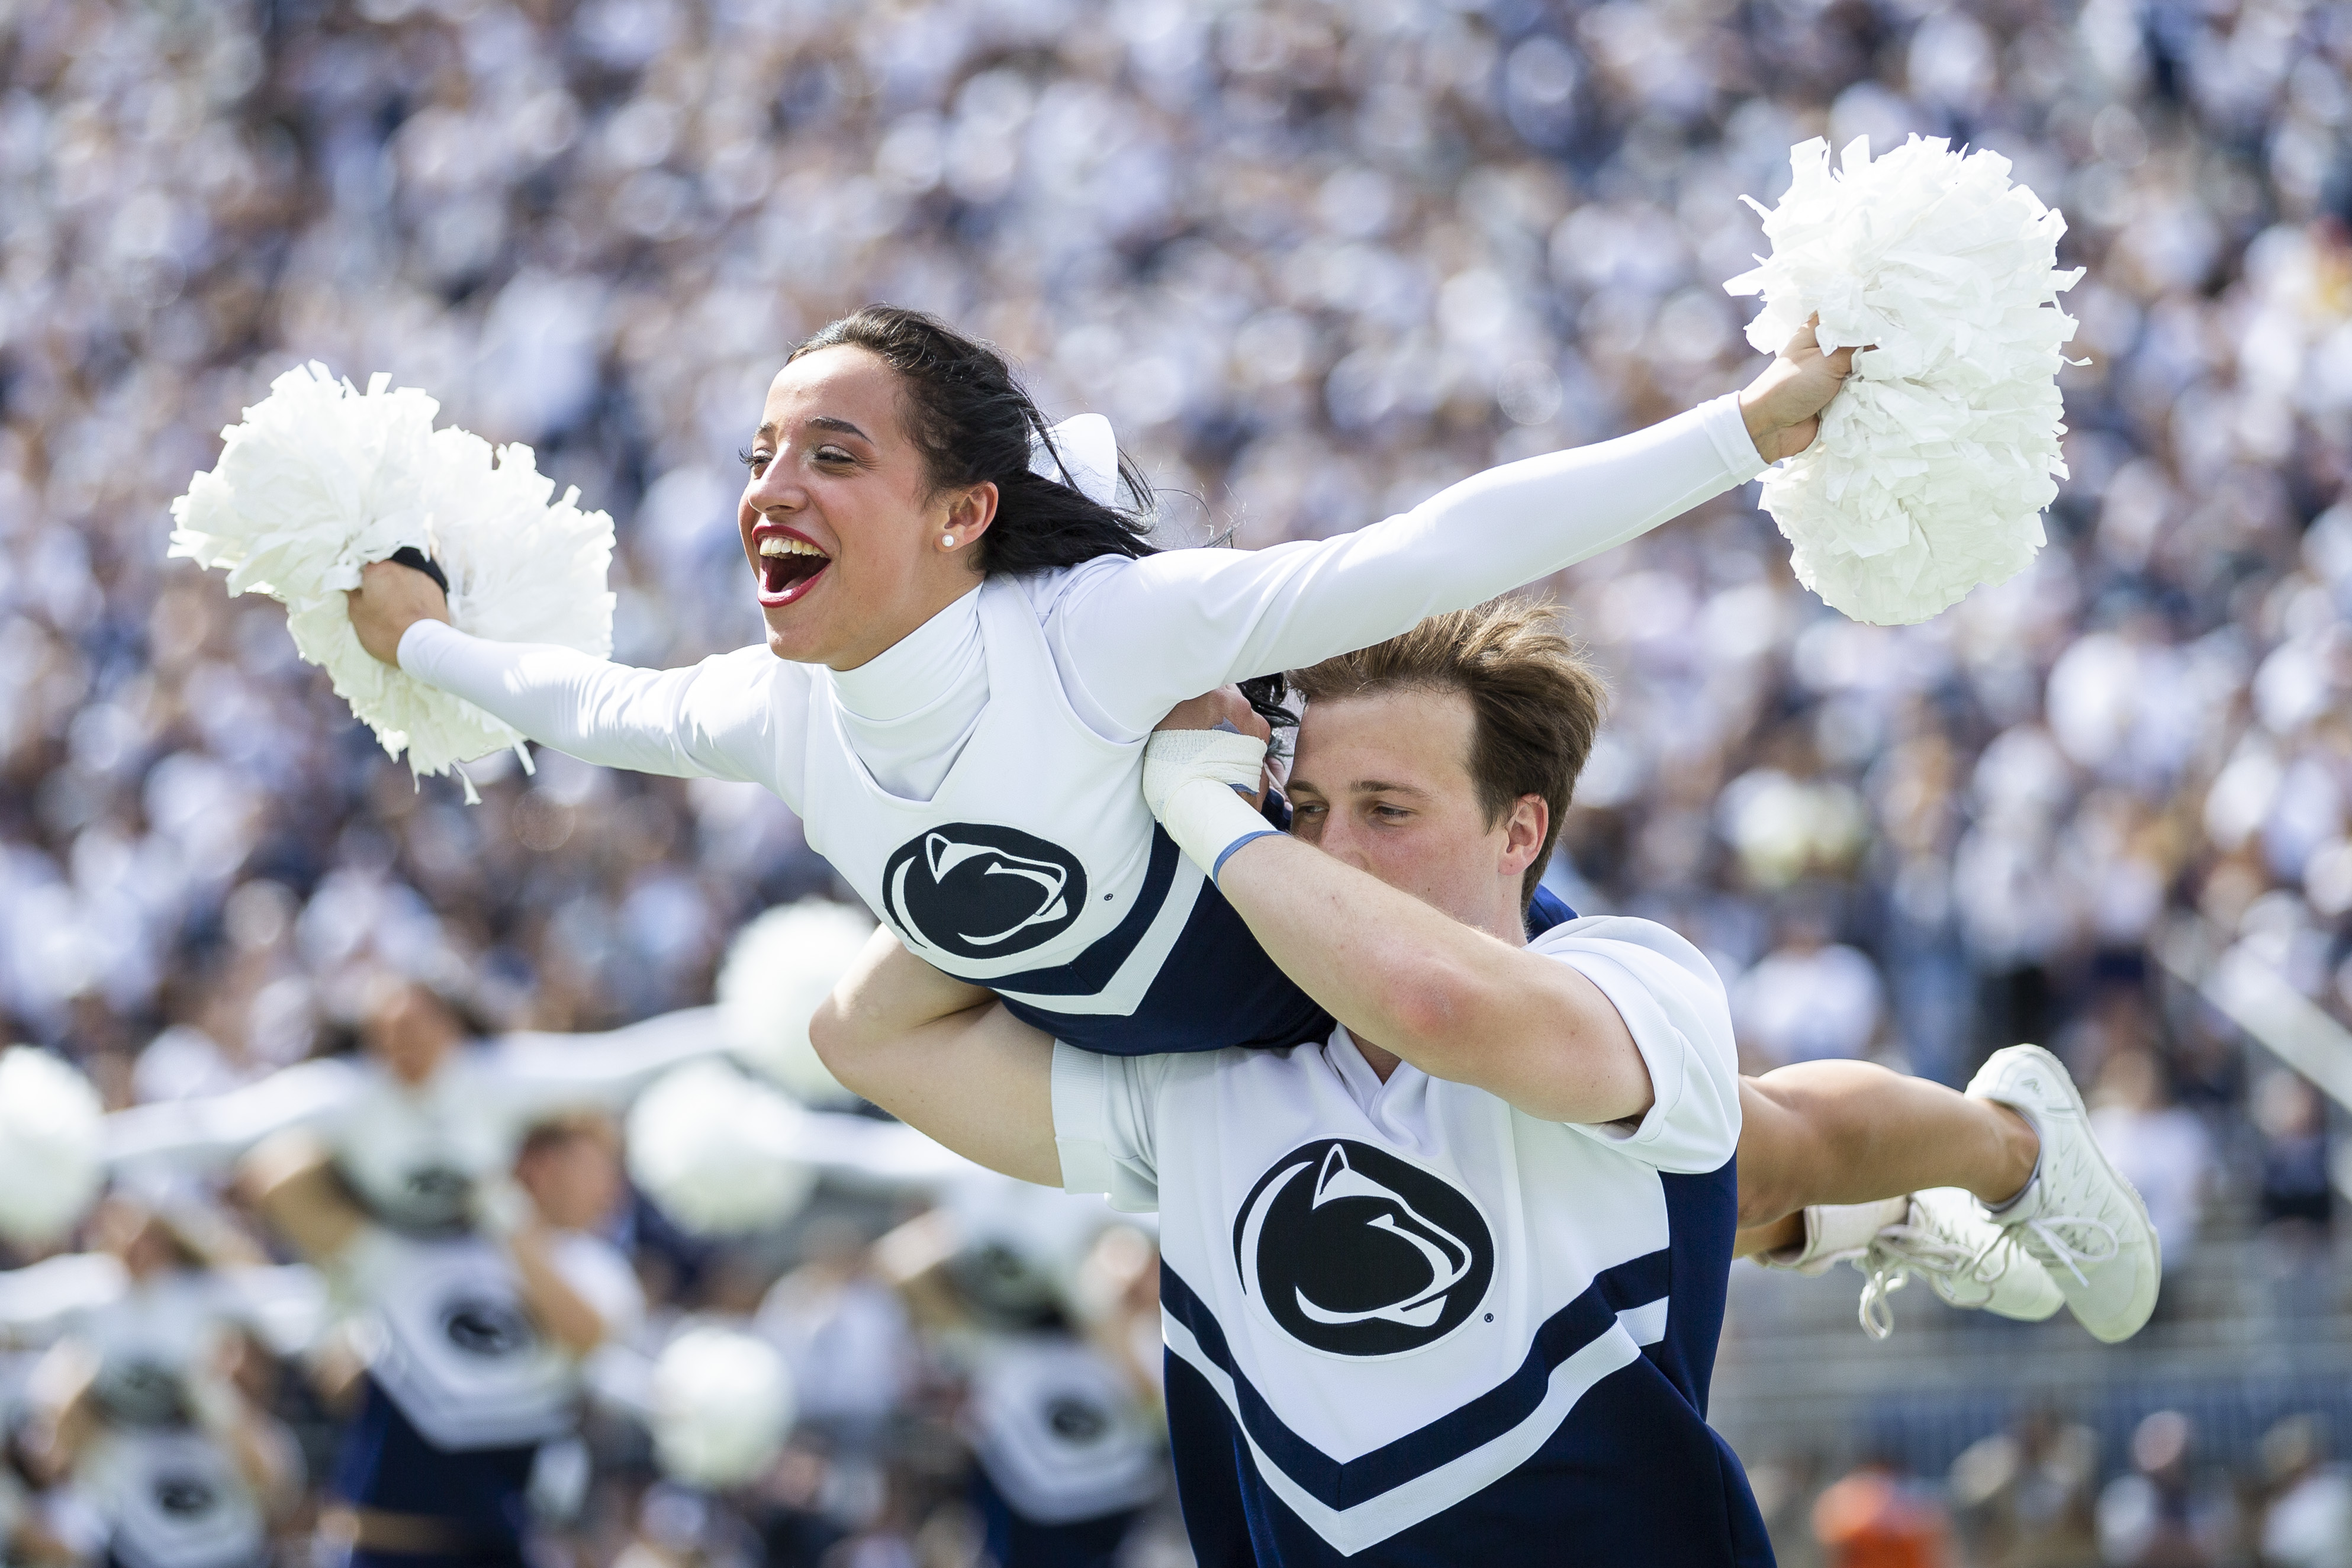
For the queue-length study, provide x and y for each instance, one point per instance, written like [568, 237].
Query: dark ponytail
[969, 417]
[974, 423]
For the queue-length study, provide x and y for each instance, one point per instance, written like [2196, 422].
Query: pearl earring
[948, 540]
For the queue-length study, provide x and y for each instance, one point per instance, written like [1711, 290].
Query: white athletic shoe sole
[2078, 1216]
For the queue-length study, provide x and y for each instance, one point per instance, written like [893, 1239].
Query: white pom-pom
[52, 1154]
[722, 1406]
[1933, 464]
[715, 1150]
[322, 479]
[777, 970]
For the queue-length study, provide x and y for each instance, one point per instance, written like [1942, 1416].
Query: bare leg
[1852, 1131]
[1777, 1236]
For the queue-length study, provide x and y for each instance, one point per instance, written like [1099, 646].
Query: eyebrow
[1361, 787]
[1382, 787]
[821, 421]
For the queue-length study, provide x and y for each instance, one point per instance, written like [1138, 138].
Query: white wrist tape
[1190, 781]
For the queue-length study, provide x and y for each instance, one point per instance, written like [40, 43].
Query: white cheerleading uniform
[167, 1493]
[172, 1499]
[448, 1338]
[413, 1152]
[978, 783]
[1058, 1431]
[1408, 1324]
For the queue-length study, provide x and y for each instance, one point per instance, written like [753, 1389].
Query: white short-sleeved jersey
[1410, 1323]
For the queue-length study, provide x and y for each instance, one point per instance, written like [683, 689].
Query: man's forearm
[1453, 1000]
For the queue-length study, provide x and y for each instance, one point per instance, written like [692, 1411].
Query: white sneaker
[1966, 1259]
[2078, 1216]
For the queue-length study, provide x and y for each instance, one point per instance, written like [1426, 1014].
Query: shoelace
[1896, 1253]
[2046, 1231]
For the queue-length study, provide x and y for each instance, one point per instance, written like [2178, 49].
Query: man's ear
[1524, 829]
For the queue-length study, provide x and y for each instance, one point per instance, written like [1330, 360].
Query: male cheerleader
[1446, 1287]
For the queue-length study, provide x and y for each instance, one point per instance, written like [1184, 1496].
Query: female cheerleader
[414, 1122]
[135, 1409]
[964, 657]
[473, 1339]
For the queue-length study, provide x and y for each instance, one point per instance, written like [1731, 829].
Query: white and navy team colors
[978, 781]
[172, 1498]
[1410, 1325]
[1063, 897]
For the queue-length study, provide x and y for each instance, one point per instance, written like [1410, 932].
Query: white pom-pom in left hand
[777, 970]
[1933, 463]
[52, 1155]
[322, 479]
[715, 1150]
[722, 1406]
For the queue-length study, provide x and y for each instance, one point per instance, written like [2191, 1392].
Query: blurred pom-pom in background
[777, 971]
[1932, 467]
[52, 1157]
[722, 1402]
[322, 479]
[714, 1149]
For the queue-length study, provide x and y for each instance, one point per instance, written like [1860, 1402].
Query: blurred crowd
[1315, 260]
[2031, 1497]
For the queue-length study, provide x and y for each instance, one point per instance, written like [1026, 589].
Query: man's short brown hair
[1536, 704]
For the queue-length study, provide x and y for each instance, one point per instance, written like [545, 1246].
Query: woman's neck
[917, 670]
[909, 709]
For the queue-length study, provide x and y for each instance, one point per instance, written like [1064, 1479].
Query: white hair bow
[1088, 457]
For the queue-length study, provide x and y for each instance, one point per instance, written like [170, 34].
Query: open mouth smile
[789, 567]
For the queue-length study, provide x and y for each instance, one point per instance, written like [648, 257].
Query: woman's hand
[1783, 407]
[390, 599]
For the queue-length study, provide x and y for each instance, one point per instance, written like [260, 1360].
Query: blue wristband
[1219, 868]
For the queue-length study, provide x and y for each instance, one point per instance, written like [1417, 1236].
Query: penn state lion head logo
[183, 1495]
[1353, 1252]
[1076, 1421]
[484, 1326]
[974, 891]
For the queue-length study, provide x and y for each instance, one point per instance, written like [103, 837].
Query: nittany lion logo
[1353, 1252]
[978, 892]
[183, 1496]
[482, 1325]
[1076, 1421]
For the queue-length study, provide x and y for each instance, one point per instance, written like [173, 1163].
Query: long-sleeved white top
[877, 758]
[413, 1150]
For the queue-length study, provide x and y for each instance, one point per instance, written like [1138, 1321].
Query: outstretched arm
[216, 1129]
[1141, 639]
[723, 718]
[549, 1071]
[943, 1056]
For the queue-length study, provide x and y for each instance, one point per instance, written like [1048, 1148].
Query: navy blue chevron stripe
[1468, 1428]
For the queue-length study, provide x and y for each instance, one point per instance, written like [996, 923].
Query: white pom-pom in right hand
[1933, 463]
[722, 1406]
[715, 1150]
[52, 1157]
[322, 479]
